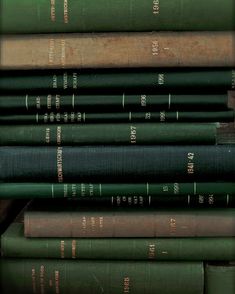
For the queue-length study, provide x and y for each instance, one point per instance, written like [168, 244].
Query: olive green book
[27, 276]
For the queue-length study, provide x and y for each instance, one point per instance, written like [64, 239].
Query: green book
[148, 163]
[118, 102]
[220, 278]
[66, 219]
[127, 133]
[15, 245]
[211, 194]
[26, 276]
[109, 15]
[108, 117]
[116, 81]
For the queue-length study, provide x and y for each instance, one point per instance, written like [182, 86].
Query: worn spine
[53, 219]
[15, 245]
[118, 50]
[211, 194]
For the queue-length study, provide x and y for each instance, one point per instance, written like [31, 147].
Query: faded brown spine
[107, 50]
[148, 223]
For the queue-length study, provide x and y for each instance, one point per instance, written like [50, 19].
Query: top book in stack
[62, 16]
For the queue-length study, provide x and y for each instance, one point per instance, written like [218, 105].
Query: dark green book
[116, 81]
[118, 163]
[27, 104]
[66, 219]
[27, 276]
[109, 117]
[213, 194]
[160, 249]
[119, 133]
[110, 15]
[220, 278]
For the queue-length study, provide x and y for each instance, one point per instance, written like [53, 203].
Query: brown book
[107, 50]
[69, 219]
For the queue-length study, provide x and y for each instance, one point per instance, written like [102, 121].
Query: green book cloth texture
[118, 133]
[220, 278]
[115, 117]
[23, 104]
[63, 219]
[211, 194]
[26, 276]
[153, 163]
[116, 81]
[15, 245]
[109, 15]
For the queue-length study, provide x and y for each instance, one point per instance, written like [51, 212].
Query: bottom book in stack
[64, 247]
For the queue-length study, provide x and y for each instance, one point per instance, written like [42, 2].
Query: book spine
[127, 194]
[92, 134]
[97, 223]
[117, 163]
[106, 117]
[44, 275]
[118, 50]
[122, 102]
[45, 17]
[115, 81]
[220, 278]
[159, 249]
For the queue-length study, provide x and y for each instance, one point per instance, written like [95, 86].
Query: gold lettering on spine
[62, 247]
[54, 82]
[201, 199]
[162, 116]
[74, 249]
[53, 12]
[93, 223]
[156, 7]
[49, 100]
[59, 135]
[57, 282]
[190, 164]
[143, 100]
[60, 165]
[33, 274]
[63, 53]
[233, 79]
[155, 47]
[48, 136]
[51, 53]
[148, 116]
[101, 222]
[126, 285]
[151, 251]
[84, 224]
[172, 226]
[66, 12]
[161, 79]
[176, 188]
[75, 80]
[65, 80]
[91, 190]
[133, 134]
[74, 190]
[211, 199]
[38, 102]
[57, 102]
[42, 279]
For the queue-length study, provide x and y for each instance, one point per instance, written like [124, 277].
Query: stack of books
[123, 113]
